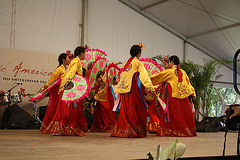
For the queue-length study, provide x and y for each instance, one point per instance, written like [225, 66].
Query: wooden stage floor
[31, 144]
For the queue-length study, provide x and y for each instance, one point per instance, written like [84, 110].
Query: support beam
[154, 4]
[13, 24]
[184, 50]
[172, 30]
[214, 30]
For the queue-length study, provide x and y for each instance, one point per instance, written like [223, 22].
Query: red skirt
[181, 122]
[69, 119]
[51, 109]
[132, 119]
[153, 124]
[104, 118]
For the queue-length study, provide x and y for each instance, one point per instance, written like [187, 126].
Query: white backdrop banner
[29, 69]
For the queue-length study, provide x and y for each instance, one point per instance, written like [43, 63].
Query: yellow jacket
[74, 67]
[58, 73]
[102, 90]
[179, 89]
[125, 83]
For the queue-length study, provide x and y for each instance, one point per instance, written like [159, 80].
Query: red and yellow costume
[179, 120]
[69, 118]
[153, 113]
[104, 118]
[132, 119]
[53, 97]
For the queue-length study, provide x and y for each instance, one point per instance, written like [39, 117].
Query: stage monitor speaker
[89, 118]
[209, 124]
[42, 111]
[15, 117]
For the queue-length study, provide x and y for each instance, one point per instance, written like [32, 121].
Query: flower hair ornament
[141, 46]
[70, 54]
[85, 46]
[165, 58]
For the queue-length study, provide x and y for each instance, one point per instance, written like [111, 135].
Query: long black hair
[135, 49]
[175, 59]
[61, 57]
[78, 51]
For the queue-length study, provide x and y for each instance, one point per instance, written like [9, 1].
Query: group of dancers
[138, 97]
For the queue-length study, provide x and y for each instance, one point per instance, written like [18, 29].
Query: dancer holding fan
[179, 120]
[153, 104]
[69, 118]
[104, 118]
[132, 119]
[57, 75]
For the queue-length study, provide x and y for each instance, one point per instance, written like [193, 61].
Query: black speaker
[89, 118]
[15, 117]
[209, 124]
[42, 111]
[234, 123]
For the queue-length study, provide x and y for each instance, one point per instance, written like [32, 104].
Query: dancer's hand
[65, 85]
[115, 82]
[153, 91]
[194, 98]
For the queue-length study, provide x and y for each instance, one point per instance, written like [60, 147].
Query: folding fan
[76, 90]
[92, 55]
[112, 71]
[99, 65]
[40, 96]
[119, 75]
[151, 66]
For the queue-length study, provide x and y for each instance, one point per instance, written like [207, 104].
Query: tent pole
[184, 50]
[84, 22]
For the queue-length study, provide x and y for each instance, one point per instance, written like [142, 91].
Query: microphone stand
[35, 108]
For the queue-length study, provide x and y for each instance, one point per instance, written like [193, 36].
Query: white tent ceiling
[212, 26]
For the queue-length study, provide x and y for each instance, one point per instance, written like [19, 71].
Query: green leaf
[169, 151]
[150, 157]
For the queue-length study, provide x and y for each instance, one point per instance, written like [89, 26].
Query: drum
[16, 98]
[4, 99]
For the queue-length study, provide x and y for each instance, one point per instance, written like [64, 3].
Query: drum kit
[6, 99]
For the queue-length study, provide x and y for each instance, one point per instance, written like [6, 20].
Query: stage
[31, 144]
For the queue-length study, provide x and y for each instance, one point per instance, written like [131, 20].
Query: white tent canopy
[213, 24]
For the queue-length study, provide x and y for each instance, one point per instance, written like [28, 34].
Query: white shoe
[56, 134]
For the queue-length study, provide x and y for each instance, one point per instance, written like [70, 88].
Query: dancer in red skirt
[132, 119]
[179, 120]
[59, 73]
[104, 118]
[153, 112]
[69, 118]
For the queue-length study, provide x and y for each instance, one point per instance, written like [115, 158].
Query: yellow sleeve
[144, 78]
[160, 77]
[71, 71]
[55, 76]
[191, 87]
